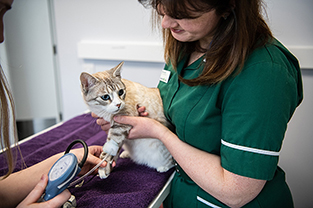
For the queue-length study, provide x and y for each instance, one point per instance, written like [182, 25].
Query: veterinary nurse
[24, 188]
[230, 89]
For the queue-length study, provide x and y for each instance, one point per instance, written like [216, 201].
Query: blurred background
[48, 43]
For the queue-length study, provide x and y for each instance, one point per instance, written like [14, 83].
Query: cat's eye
[121, 92]
[105, 97]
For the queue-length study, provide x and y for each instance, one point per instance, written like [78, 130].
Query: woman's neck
[194, 56]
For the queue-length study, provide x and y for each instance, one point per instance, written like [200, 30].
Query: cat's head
[104, 92]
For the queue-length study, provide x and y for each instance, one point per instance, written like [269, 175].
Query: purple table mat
[129, 185]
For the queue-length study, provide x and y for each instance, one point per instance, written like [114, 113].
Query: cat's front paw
[105, 172]
[102, 173]
[162, 169]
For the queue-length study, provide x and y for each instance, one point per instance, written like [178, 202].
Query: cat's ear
[87, 81]
[117, 70]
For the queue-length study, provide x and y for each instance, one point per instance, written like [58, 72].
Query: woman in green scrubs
[229, 88]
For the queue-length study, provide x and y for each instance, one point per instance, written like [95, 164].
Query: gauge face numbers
[61, 166]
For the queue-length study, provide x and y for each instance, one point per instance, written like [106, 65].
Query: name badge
[165, 75]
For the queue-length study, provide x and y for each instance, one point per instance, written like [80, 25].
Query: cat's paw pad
[162, 169]
[102, 173]
[125, 154]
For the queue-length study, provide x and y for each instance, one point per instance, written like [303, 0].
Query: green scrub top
[242, 119]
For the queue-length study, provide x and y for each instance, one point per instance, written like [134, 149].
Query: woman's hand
[92, 160]
[143, 127]
[35, 194]
[105, 125]
[10, 196]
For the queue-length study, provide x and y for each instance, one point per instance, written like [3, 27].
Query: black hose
[81, 164]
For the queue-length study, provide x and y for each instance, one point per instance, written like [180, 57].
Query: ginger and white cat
[107, 95]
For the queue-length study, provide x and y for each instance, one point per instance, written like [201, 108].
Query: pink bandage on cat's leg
[111, 147]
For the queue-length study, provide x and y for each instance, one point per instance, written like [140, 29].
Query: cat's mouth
[117, 110]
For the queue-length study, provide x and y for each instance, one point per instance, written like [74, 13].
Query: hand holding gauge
[64, 171]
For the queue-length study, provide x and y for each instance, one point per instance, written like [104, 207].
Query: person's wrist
[161, 132]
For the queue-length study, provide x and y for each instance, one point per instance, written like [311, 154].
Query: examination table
[129, 185]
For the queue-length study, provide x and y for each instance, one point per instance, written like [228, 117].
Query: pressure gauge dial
[61, 174]
[63, 171]
[61, 167]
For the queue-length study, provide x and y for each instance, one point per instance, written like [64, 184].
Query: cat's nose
[118, 105]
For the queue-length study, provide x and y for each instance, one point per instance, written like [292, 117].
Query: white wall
[291, 21]
[99, 20]
[126, 20]
[28, 60]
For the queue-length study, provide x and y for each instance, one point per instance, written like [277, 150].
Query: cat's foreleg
[110, 150]
[116, 135]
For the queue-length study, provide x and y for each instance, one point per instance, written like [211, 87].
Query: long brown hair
[7, 123]
[237, 35]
